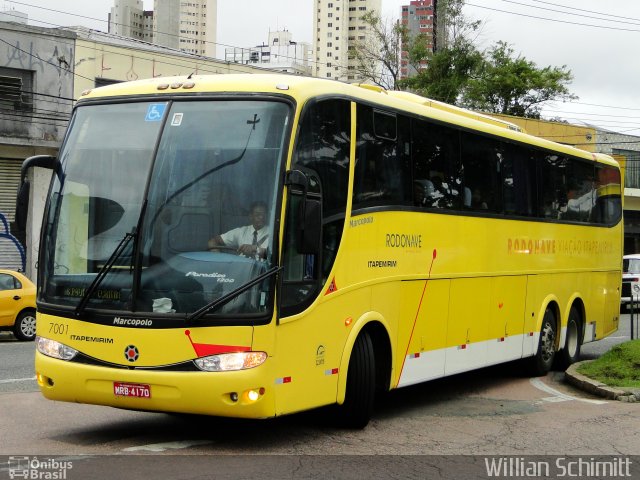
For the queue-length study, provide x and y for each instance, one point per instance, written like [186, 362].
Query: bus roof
[303, 88]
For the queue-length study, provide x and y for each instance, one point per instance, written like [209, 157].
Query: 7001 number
[59, 328]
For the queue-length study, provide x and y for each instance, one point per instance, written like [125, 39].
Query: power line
[553, 19]
[155, 31]
[583, 10]
[45, 61]
[596, 105]
[570, 13]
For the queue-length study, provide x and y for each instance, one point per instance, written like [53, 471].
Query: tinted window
[518, 181]
[382, 172]
[580, 192]
[552, 181]
[608, 205]
[481, 166]
[434, 158]
[6, 282]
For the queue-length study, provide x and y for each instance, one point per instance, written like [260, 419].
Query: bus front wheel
[361, 384]
[541, 362]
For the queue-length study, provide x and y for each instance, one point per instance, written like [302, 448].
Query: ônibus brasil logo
[131, 353]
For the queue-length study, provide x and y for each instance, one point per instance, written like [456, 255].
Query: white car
[631, 281]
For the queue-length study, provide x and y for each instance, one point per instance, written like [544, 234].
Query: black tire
[571, 351]
[24, 328]
[542, 361]
[357, 408]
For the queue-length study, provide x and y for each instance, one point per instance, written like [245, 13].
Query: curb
[598, 388]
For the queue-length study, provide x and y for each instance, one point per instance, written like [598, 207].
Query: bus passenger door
[468, 324]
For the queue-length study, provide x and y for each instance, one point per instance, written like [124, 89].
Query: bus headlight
[54, 349]
[636, 287]
[226, 362]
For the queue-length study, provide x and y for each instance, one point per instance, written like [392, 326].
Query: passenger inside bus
[250, 240]
[477, 201]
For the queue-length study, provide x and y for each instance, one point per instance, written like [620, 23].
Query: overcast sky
[596, 40]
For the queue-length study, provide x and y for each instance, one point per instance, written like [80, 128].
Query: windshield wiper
[231, 295]
[102, 273]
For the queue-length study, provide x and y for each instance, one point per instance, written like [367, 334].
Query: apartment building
[280, 53]
[127, 19]
[419, 17]
[186, 25]
[338, 25]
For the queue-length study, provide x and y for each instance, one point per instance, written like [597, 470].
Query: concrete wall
[50, 55]
[578, 136]
[46, 56]
[95, 58]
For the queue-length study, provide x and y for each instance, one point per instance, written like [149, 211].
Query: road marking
[559, 396]
[161, 447]
[17, 380]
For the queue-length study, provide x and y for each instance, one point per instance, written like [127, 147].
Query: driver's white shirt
[244, 236]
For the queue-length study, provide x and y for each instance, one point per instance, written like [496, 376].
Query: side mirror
[22, 200]
[22, 205]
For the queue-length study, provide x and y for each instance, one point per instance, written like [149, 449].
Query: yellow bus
[253, 246]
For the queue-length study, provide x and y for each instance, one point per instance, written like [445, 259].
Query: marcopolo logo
[132, 322]
[34, 468]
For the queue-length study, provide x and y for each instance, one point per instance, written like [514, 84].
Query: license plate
[137, 390]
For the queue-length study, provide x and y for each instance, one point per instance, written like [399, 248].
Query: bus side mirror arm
[22, 198]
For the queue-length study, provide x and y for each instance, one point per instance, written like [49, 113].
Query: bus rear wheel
[541, 362]
[357, 408]
[571, 351]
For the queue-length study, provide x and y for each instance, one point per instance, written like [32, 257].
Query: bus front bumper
[241, 394]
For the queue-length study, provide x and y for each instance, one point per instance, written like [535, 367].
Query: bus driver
[250, 240]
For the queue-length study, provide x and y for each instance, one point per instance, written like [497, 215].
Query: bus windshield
[165, 207]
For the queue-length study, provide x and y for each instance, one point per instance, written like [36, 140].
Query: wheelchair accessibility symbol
[155, 112]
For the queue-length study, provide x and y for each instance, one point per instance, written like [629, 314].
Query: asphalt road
[439, 429]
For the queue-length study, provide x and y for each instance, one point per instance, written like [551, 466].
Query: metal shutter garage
[9, 179]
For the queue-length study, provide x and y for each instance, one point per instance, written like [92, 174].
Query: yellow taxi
[17, 305]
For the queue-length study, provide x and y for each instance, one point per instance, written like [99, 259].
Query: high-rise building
[189, 25]
[127, 18]
[280, 53]
[337, 26]
[419, 17]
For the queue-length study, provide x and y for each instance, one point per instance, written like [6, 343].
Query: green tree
[442, 75]
[378, 56]
[510, 84]
[446, 74]
[495, 80]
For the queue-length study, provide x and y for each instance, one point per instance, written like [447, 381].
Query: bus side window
[481, 164]
[383, 170]
[551, 183]
[518, 181]
[435, 153]
[608, 206]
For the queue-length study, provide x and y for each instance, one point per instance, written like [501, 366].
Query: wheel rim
[28, 326]
[548, 342]
[572, 338]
